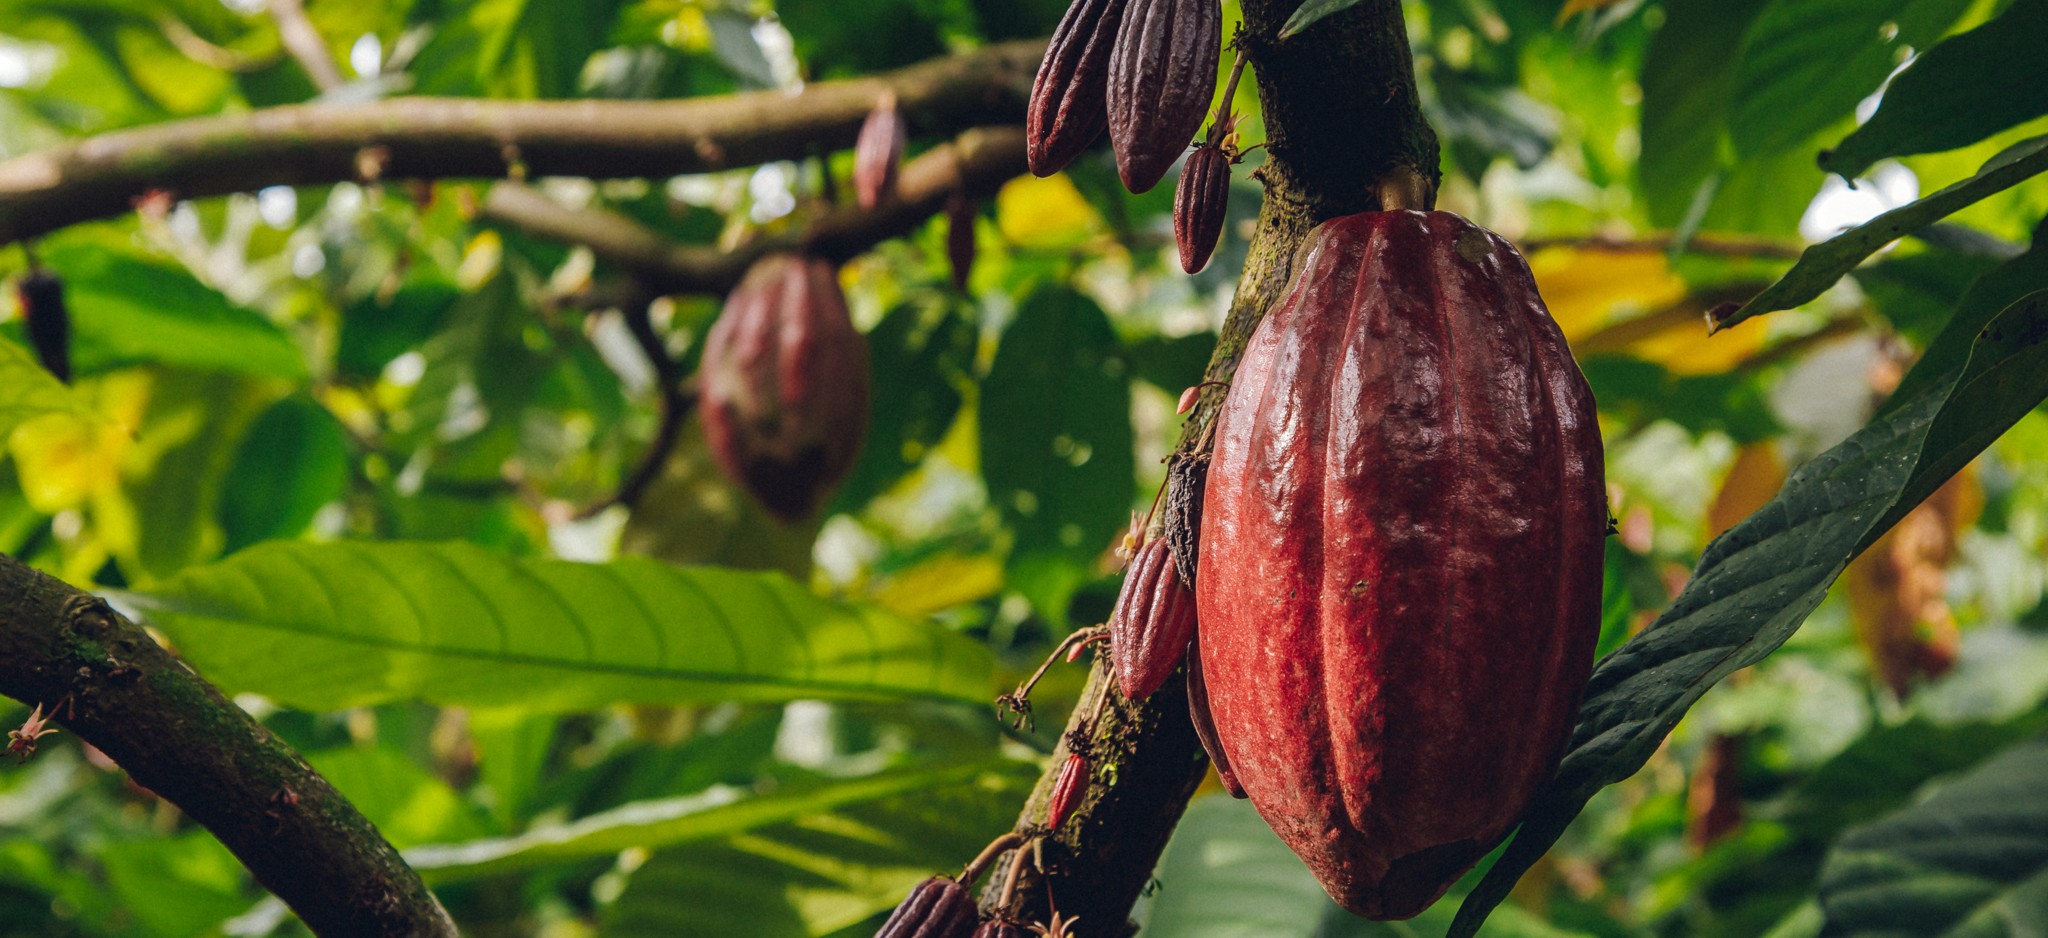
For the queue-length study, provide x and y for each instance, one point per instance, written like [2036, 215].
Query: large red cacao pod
[784, 384]
[1200, 203]
[1162, 74]
[936, 908]
[1069, 99]
[1401, 541]
[1154, 617]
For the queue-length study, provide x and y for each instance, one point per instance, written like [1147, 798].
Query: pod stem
[1019, 701]
[988, 855]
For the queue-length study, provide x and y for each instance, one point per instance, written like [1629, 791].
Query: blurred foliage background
[330, 443]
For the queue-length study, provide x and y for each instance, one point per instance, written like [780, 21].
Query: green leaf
[409, 804]
[921, 357]
[28, 390]
[293, 461]
[1055, 418]
[1688, 77]
[1963, 90]
[1756, 583]
[175, 501]
[1971, 860]
[329, 626]
[1313, 12]
[1994, 291]
[1881, 771]
[719, 811]
[128, 309]
[1821, 265]
[1806, 63]
[818, 874]
[175, 887]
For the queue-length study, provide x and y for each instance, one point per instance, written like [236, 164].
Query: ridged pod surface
[878, 152]
[936, 908]
[1069, 99]
[1199, 205]
[1154, 616]
[784, 384]
[999, 928]
[1161, 76]
[1400, 572]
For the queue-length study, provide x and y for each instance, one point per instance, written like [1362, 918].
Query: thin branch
[179, 737]
[299, 37]
[426, 138]
[675, 407]
[1342, 114]
[1716, 245]
[977, 162]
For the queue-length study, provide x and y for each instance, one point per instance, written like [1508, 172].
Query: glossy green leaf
[1806, 63]
[1963, 90]
[409, 804]
[1759, 581]
[177, 886]
[329, 626]
[128, 309]
[1688, 76]
[175, 501]
[1313, 12]
[719, 811]
[818, 874]
[921, 357]
[1971, 860]
[1995, 290]
[1821, 265]
[28, 391]
[293, 460]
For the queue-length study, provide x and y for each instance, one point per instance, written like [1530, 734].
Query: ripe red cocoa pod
[1205, 725]
[784, 384]
[936, 908]
[1067, 790]
[1401, 548]
[48, 320]
[960, 245]
[1199, 205]
[1155, 614]
[878, 154]
[1161, 76]
[1069, 108]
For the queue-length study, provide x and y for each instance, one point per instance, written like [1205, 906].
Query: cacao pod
[1067, 790]
[1401, 549]
[1162, 73]
[1068, 107]
[936, 908]
[1199, 205]
[1000, 928]
[784, 384]
[878, 153]
[1155, 614]
[960, 246]
[1205, 725]
[1181, 522]
[48, 321]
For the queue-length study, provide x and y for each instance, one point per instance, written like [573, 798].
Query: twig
[179, 737]
[1718, 245]
[676, 404]
[303, 41]
[429, 138]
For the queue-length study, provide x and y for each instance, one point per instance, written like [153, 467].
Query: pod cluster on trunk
[1144, 69]
[1401, 545]
[784, 384]
[937, 908]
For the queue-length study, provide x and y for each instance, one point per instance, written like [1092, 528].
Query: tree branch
[977, 162]
[177, 736]
[100, 177]
[1342, 115]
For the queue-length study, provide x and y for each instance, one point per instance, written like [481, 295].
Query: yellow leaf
[1755, 476]
[64, 459]
[940, 583]
[1587, 290]
[1044, 213]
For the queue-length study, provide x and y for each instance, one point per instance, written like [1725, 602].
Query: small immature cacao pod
[1068, 108]
[960, 246]
[1161, 76]
[1400, 569]
[48, 321]
[1067, 790]
[878, 153]
[784, 384]
[1205, 725]
[1155, 614]
[936, 908]
[1199, 205]
[1181, 519]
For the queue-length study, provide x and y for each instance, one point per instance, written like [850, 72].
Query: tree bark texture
[428, 138]
[107, 682]
[1342, 114]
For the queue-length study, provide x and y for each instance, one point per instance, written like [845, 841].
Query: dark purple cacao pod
[784, 384]
[1068, 108]
[1000, 928]
[936, 908]
[1067, 790]
[1162, 74]
[1401, 555]
[1155, 614]
[878, 153]
[1200, 204]
[1181, 521]
[960, 246]
[48, 321]
[1205, 725]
